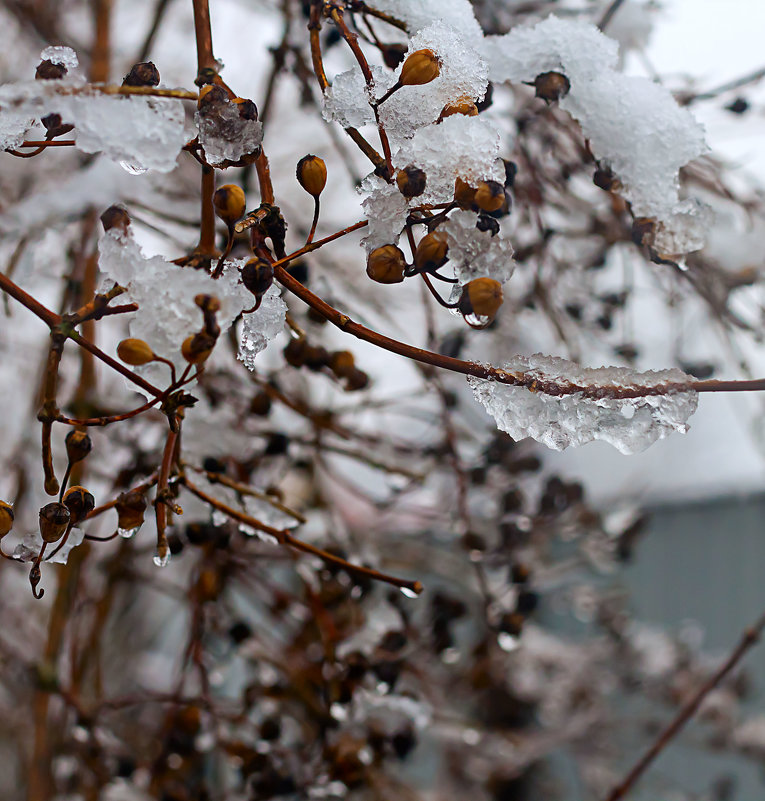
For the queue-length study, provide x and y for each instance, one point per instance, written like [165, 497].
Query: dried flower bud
[48, 71]
[135, 352]
[78, 446]
[115, 217]
[197, 348]
[247, 108]
[79, 502]
[551, 86]
[295, 352]
[482, 297]
[230, 203]
[142, 74]
[130, 507]
[462, 105]
[411, 181]
[386, 265]
[489, 196]
[316, 357]
[258, 275]
[420, 67]
[54, 520]
[356, 380]
[312, 174]
[342, 363]
[6, 518]
[431, 252]
[464, 194]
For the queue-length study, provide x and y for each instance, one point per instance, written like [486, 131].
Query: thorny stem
[285, 538]
[749, 639]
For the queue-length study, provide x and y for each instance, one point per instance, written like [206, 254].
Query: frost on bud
[431, 252]
[230, 203]
[79, 502]
[144, 73]
[197, 348]
[135, 352]
[489, 196]
[420, 67]
[115, 217]
[386, 265]
[130, 508]
[257, 276]
[481, 297]
[462, 105]
[6, 518]
[464, 194]
[78, 446]
[551, 86]
[411, 181]
[54, 520]
[49, 71]
[312, 174]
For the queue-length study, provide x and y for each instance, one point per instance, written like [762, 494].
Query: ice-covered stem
[490, 373]
[285, 538]
[748, 640]
[352, 40]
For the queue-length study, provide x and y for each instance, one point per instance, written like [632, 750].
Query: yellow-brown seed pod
[386, 265]
[130, 507]
[411, 181]
[462, 105]
[230, 203]
[247, 109]
[482, 297]
[342, 362]
[6, 518]
[431, 252]
[197, 348]
[311, 173]
[79, 502]
[489, 196]
[551, 86]
[78, 446]
[419, 68]
[464, 194]
[258, 275]
[54, 521]
[135, 352]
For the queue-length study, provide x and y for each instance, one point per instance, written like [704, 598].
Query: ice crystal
[261, 326]
[226, 135]
[347, 101]
[146, 132]
[633, 125]
[474, 253]
[64, 56]
[456, 13]
[386, 209]
[629, 424]
[29, 548]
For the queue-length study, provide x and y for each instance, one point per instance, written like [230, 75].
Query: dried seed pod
[247, 109]
[258, 275]
[386, 265]
[482, 297]
[411, 181]
[486, 222]
[230, 203]
[464, 194]
[295, 352]
[311, 173]
[144, 73]
[489, 196]
[431, 252]
[316, 357]
[130, 507]
[135, 352]
[6, 518]
[79, 502]
[551, 86]
[197, 348]
[419, 68]
[342, 363]
[393, 55]
[54, 520]
[211, 98]
[260, 404]
[78, 446]
[463, 105]
[356, 380]
[115, 217]
[48, 71]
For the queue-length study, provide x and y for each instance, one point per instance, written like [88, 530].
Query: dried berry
[419, 68]
[258, 275]
[356, 380]
[386, 265]
[431, 252]
[247, 108]
[79, 502]
[6, 518]
[54, 521]
[260, 404]
[464, 194]
[115, 217]
[78, 446]
[144, 73]
[295, 352]
[130, 508]
[482, 297]
[489, 196]
[463, 105]
[551, 86]
[342, 363]
[230, 203]
[411, 181]
[135, 352]
[197, 348]
[312, 174]
[48, 71]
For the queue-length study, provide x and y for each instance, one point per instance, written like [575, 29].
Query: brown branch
[750, 638]
[203, 33]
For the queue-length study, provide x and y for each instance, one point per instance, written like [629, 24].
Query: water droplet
[127, 533]
[507, 642]
[133, 169]
[408, 592]
[471, 737]
[338, 712]
[162, 561]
